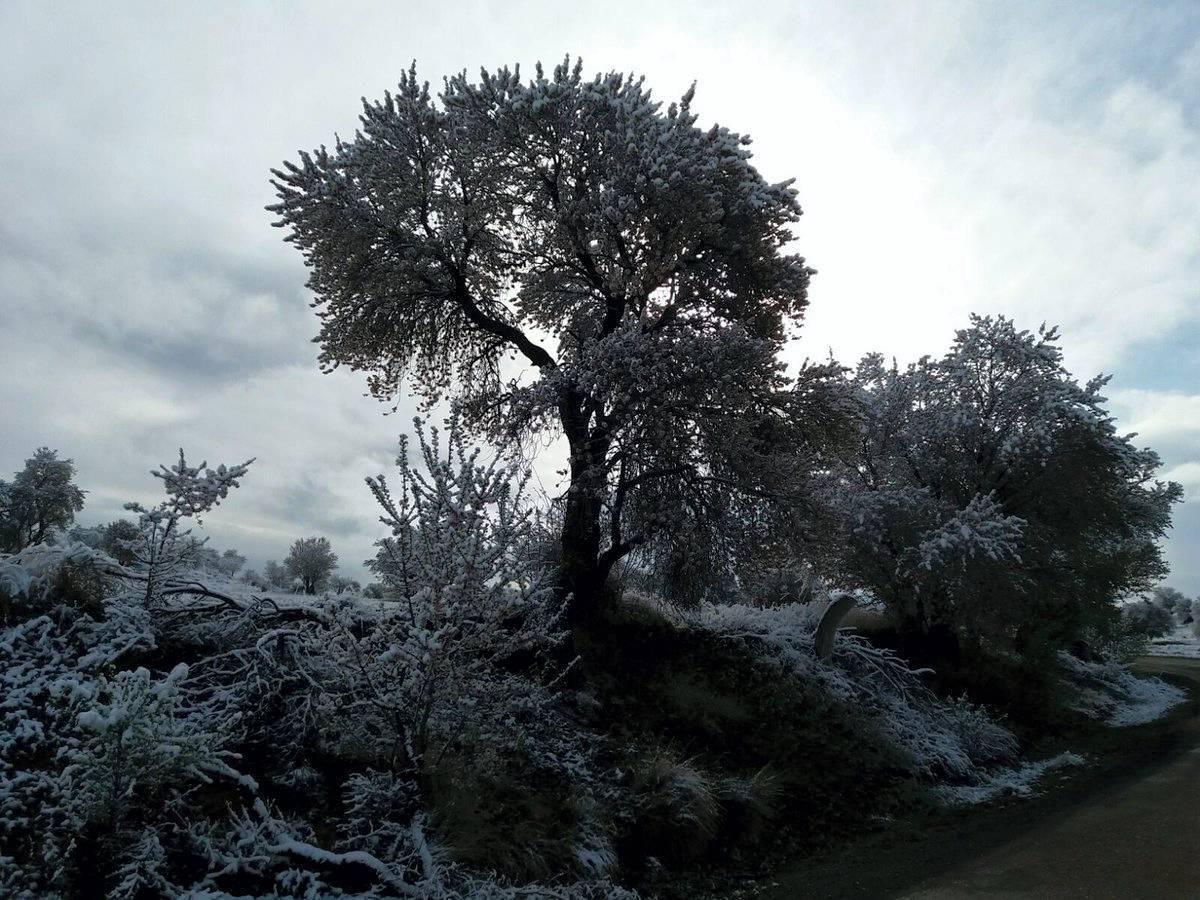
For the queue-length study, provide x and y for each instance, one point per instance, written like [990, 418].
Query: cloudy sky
[1040, 160]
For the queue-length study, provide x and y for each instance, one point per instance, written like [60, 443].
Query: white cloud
[1159, 415]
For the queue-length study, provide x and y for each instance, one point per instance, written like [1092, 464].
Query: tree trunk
[582, 573]
[581, 576]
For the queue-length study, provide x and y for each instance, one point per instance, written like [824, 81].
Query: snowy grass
[954, 741]
[1014, 781]
[1111, 694]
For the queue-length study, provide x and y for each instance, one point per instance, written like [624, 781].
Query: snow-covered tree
[277, 576]
[1173, 601]
[230, 563]
[162, 547]
[41, 497]
[992, 492]
[116, 538]
[312, 561]
[635, 265]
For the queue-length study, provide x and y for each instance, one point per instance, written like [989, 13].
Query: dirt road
[1132, 835]
[1140, 842]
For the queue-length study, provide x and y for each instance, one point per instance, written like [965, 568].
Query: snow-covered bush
[142, 739]
[93, 746]
[463, 606]
[678, 805]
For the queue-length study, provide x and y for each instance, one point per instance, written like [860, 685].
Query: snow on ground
[1182, 642]
[1017, 781]
[1149, 699]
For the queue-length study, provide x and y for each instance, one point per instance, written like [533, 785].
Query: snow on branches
[465, 604]
[991, 491]
[454, 231]
[161, 550]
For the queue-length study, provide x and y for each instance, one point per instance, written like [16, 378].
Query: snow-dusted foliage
[1009, 781]
[455, 231]
[93, 746]
[956, 740]
[992, 493]
[126, 780]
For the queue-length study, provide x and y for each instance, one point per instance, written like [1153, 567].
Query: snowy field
[1182, 642]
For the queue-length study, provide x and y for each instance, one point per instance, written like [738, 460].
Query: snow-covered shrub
[57, 571]
[452, 682]
[143, 869]
[122, 719]
[141, 740]
[677, 805]
[985, 740]
[80, 749]
[467, 618]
